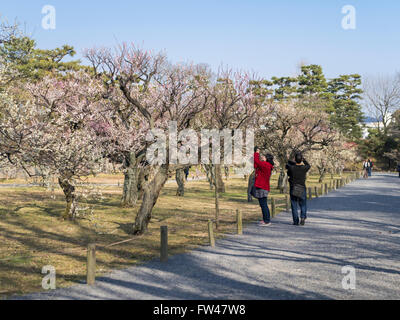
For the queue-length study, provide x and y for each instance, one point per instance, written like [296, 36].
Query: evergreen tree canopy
[20, 54]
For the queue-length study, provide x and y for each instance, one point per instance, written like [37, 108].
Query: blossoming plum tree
[292, 126]
[158, 93]
[55, 128]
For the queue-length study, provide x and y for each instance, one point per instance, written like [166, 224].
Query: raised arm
[262, 164]
[306, 164]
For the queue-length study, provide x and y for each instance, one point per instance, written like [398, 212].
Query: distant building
[371, 123]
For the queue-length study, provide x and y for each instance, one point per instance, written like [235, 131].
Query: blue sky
[268, 37]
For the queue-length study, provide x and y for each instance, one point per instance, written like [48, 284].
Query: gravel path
[358, 225]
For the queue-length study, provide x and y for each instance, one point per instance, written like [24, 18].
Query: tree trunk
[180, 180]
[281, 180]
[151, 193]
[322, 172]
[142, 180]
[250, 185]
[209, 175]
[130, 190]
[321, 177]
[70, 198]
[218, 178]
[216, 200]
[285, 183]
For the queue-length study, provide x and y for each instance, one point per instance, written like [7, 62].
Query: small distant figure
[297, 172]
[398, 168]
[366, 166]
[198, 171]
[371, 165]
[186, 171]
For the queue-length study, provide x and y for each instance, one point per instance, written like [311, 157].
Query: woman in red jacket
[263, 168]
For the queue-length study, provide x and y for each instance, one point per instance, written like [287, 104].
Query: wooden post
[211, 233]
[316, 192]
[164, 244]
[287, 203]
[273, 207]
[309, 193]
[216, 204]
[326, 188]
[239, 221]
[91, 264]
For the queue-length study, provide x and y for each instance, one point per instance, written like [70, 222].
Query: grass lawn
[32, 234]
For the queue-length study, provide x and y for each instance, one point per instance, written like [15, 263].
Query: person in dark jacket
[261, 188]
[297, 172]
[371, 165]
[398, 168]
[186, 171]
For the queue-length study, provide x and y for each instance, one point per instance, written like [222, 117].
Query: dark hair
[256, 148]
[298, 158]
[270, 158]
